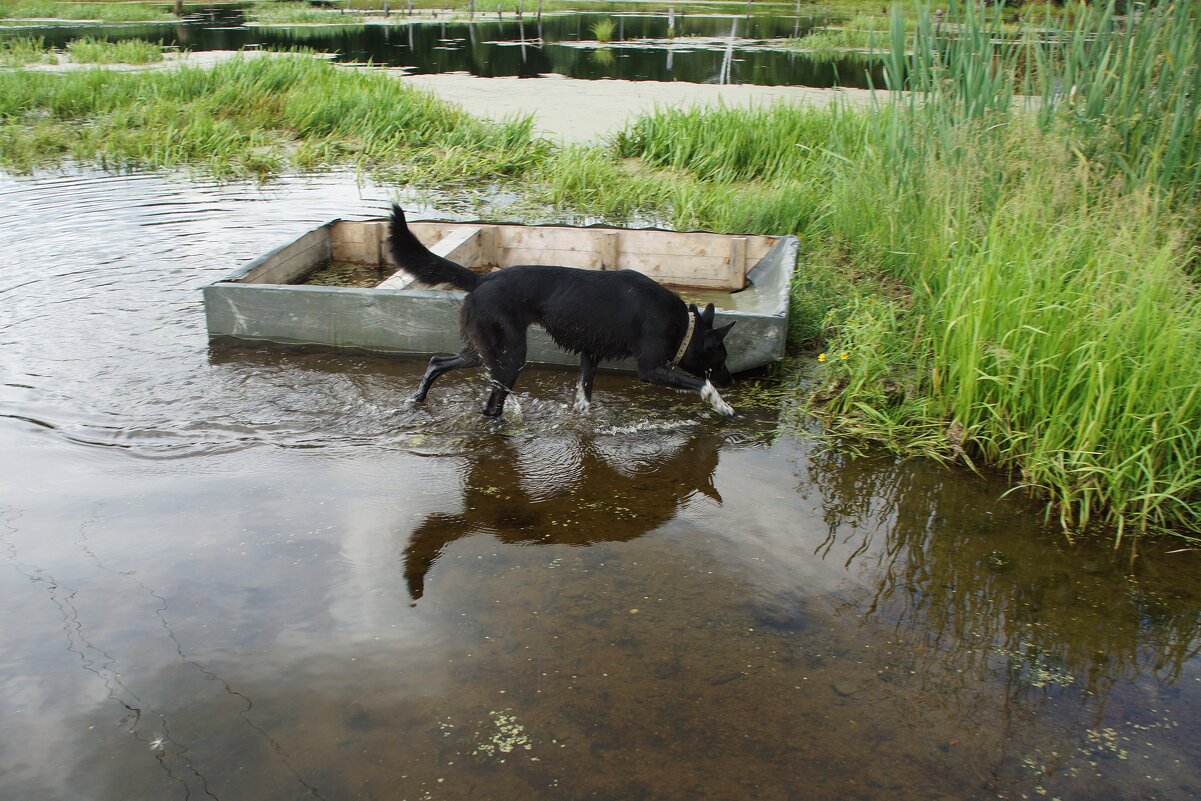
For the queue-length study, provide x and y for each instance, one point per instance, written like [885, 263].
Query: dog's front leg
[665, 376]
[583, 390]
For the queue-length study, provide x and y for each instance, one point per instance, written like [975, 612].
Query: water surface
[257, 574]
[704, 47]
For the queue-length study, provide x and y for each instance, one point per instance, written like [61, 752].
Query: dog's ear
[692, 310]
[719, 334]
[707, 315]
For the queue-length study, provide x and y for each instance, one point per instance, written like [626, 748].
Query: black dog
[599, 315]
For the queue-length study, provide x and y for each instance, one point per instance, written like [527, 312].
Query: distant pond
[705, 48]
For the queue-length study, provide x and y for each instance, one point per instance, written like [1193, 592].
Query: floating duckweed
[1034, 670]
[502, 735]
[1105, 741]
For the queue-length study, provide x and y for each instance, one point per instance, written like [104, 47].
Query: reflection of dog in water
[601, 315]
[601, 502]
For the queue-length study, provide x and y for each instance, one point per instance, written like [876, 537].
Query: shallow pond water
[701, 51]
[256, 574]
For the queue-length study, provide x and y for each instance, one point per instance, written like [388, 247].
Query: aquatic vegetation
[126, 51]
[501, 735]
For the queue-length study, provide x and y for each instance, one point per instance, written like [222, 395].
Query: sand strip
[578, 111]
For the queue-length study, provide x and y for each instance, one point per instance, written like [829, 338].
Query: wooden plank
[381, 243]
[708, 272]
[350, 241]
[286, 271]
[608, 247]
[737, 262]
[461, 247]
[291, 261]
[486, 260]
[696, 259]
[398, 280]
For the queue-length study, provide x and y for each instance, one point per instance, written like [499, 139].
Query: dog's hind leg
[505, 369]
[665, 376]
[583, 390]
[441, 364]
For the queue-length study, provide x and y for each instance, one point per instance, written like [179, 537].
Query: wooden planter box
[266, 300]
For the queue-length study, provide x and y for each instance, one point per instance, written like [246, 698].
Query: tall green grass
[1012, 282]
[252, 117]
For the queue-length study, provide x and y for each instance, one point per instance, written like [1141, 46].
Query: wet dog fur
[601, 315]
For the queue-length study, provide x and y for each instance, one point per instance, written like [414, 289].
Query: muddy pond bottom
[260, 574]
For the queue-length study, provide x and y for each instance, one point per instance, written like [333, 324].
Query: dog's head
[706, 356]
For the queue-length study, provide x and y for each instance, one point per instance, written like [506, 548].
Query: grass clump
[603, 29]
[25, 50]
[89, 50]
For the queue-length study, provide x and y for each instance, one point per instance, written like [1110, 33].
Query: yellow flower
[843, 356]
[821, 357]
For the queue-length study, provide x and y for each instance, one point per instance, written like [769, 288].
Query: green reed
[1049, 317]
[1011, 282]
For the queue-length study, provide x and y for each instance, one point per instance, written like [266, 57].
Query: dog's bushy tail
[415, 258]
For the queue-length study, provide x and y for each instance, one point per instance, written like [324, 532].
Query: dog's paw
[709, 393]
[582, 404]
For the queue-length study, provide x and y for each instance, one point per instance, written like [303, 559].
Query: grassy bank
[251, 117]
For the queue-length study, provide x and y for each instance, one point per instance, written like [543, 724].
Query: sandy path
[574, 111]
